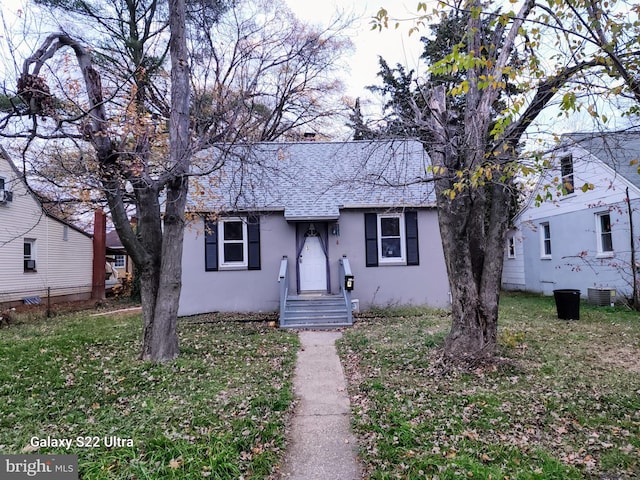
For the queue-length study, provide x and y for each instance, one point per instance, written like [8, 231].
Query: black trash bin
[567, 303]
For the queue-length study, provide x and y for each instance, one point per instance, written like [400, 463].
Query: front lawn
[563, 403]
[218, 412]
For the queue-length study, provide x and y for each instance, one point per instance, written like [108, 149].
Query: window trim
[124, 261]
[230, 265]
[599, 236]
[32, 255]
[567, 175]
[545, 240]
[402, 259]
[511, 247]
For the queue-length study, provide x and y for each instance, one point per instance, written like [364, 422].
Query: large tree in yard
[120, 121]
[157, 246]
[472, 111]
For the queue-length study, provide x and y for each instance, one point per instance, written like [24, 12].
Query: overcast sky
[395, 46]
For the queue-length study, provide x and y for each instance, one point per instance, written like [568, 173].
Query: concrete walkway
[321, 444]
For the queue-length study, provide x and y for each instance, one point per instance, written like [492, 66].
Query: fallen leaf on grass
[29, 448]
[471, 435]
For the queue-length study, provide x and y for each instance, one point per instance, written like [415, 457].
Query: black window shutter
[371, 238]
[411, 234]
[210, 246]
[253, 237]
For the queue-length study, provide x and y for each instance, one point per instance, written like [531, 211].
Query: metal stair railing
[346, 275]
[283, 280]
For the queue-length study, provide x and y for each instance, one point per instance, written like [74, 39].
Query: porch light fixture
[335, 229]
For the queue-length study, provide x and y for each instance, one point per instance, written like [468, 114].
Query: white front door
[313, 265]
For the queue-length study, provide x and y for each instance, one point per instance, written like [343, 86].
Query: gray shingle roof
[618, 150]
[315, 179]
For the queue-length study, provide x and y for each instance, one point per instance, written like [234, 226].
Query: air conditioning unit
[6, 196]
[601, 297]
[29, 264]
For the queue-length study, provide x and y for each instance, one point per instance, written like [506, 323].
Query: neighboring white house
[38, 252]
[579, 236]
[301, 211]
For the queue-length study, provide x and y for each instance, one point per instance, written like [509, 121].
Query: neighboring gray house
[290, 218]
[580, 236]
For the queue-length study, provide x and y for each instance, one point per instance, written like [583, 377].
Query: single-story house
[580, 226]
[39, 253]
[289, 218]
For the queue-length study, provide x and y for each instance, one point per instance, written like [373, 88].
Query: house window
[603, 228]
[29, 255]
[391, 239]
[65, 233]
[545, 240]
[511, 246]
[566, 169]
[232, 243]
[120, 261]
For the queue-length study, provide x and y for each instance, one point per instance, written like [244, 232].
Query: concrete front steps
[315, 311]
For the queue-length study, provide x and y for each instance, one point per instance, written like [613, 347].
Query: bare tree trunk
[161, 338]
[156, 248]
[473, 249]
[473, 222]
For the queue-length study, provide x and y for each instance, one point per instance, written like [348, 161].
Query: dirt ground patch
[627, 357]
[26, 313]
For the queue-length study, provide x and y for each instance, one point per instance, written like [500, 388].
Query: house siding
[64, 266]
[257, 290]
[575, 261]
[513, 271]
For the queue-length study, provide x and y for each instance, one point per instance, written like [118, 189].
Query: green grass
[564, 402]
[219, 411]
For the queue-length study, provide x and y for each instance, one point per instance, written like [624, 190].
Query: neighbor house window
[65, 233]
[232, 243]
[511, 246]
[391, 239]
[120, 261]
[603, 228]
[566, 169]
[545, 240]
[29, 255]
